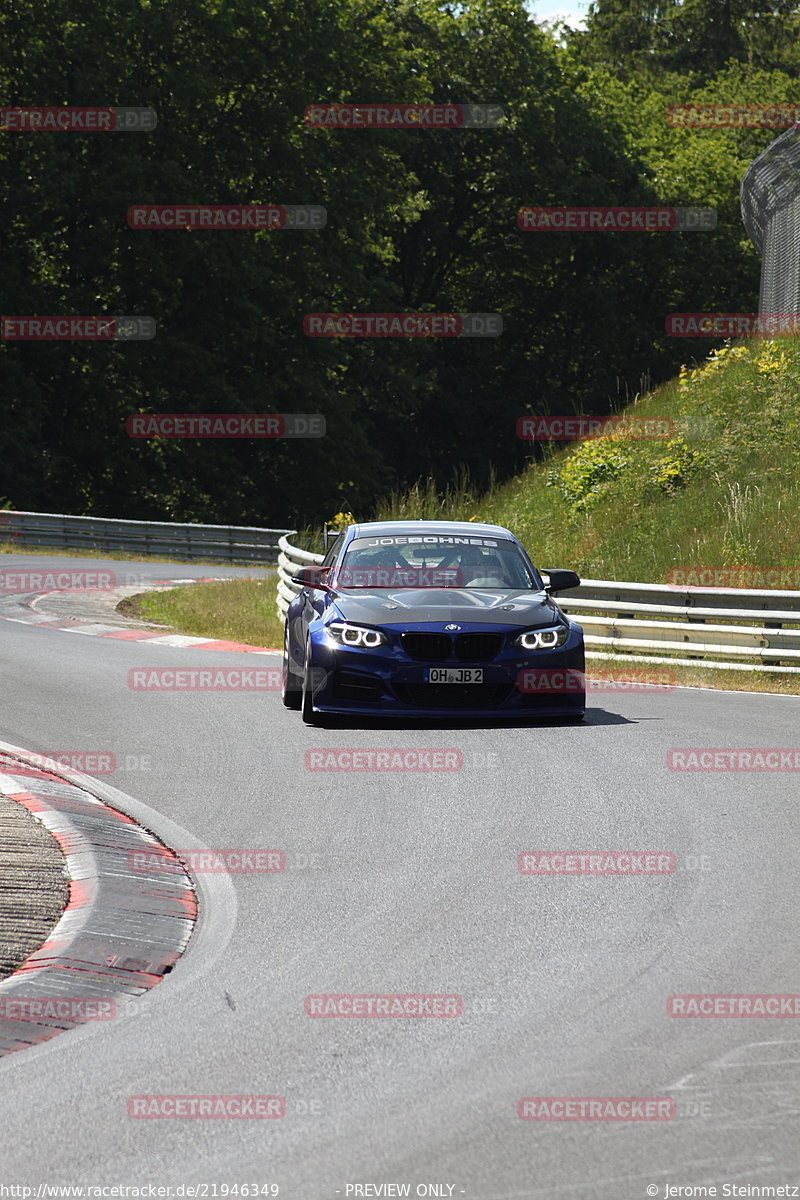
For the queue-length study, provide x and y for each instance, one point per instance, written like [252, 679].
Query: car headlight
[356, 635]
[542, 639]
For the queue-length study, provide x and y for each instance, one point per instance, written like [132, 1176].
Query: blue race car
[431, 619]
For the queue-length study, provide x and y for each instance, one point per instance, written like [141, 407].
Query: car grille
[453, 695]
[478, 647]
[469, 647]
[352, 685]
[426, 647]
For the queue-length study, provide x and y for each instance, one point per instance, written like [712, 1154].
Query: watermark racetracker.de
[569, 427]
[758, 578]
[734, 759]
[402, 325]
[57, 1008]
[391, 758]
[732, 325]
[73, 119]
[596, 1108]
[66, 328]
[22, 582]
[571, 863]
[733, 116]
[204, 679]
[410, 1005]
[90, 762]
[596, 862]
[208, 1107]
[238, 860]
[383, 115]
[570, 680]
[706, 1004]
[399, 577]
[584, 427]
[227, 216]
[225, 425]
[617, 219]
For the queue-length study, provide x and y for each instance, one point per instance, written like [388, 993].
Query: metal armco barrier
[653, 623]
[290, 558]
[720, 627]
[230, 543]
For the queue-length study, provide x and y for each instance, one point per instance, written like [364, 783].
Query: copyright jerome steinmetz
[695, 1191]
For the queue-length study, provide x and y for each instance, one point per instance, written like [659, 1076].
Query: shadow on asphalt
[594, 716]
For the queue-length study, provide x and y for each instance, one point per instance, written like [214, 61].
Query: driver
[388, 558]
[493, 569]
[472, 565]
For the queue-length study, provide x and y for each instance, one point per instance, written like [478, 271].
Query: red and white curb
[114, 633]
[122, 930]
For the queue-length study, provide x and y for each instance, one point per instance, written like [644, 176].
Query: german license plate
[454, 675]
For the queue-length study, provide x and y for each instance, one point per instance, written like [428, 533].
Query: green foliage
[675, 468]
[423, 501]
[723, 490]
[589, 473]
[693, 37]
[416, 221]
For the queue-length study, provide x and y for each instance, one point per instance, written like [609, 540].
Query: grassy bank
[236, 610]
[721, 491]
[724, 491]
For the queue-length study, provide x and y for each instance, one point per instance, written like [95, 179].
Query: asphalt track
[408, 883]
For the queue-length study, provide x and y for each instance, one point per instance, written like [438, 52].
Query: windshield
[435, 560]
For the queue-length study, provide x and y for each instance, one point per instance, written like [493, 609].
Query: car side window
[331, 556]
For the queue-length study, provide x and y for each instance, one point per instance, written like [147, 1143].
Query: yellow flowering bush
[771, 361]
[717, 358]
[341, 520]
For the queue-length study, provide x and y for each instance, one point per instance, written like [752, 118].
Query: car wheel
[309, 716]
[291, 685]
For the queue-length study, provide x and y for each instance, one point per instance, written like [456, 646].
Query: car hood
[412, 606]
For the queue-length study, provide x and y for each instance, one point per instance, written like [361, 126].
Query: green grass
[698, 677]
[618, 508]
[722, 492]
[236, 610]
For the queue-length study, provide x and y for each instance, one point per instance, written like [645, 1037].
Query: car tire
[291, 684]
[306, 704]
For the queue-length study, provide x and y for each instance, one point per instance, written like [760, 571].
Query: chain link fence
[770, 198]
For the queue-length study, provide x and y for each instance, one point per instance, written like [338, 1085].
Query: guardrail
[718, 627]
[230, 543]
[653, 623]
[289, 559]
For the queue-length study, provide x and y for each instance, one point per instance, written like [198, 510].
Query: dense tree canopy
[416, 221]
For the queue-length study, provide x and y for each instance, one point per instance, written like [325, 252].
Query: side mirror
[312, 577]
[560, 581]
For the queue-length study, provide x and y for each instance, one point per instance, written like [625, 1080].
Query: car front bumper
[386, 680]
